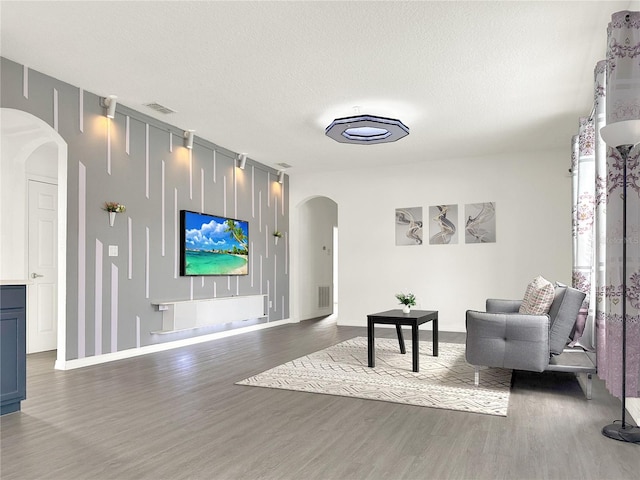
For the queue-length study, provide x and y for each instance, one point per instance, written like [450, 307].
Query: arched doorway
[316, 285]
[29, 149]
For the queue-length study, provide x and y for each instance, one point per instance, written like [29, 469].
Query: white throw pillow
[538, 297]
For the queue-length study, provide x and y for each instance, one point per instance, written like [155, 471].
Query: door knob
[36, 275]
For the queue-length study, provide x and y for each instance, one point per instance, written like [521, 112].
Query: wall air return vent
[324, 296]
[159, 108]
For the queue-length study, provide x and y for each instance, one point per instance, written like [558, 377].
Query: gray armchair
[502, 337]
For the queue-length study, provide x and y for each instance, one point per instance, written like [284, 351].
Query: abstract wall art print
[409, 226]
[480, 222]
[443, 224]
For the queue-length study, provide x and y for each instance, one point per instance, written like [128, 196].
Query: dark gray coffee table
[398, 318]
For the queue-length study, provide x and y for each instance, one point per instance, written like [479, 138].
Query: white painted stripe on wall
[109, 146]
[202, 189]
[202, 282]
[261, 290]
[114, 308]
[190, 288]
[228, 283]
[147, 266]
[170, 142]
[55, 109]
[253, 191]
[269, 299]
[235, 192]
[127, 134]
[251, 262]
[282, 198]
[137, 331]
[260, 210]
[237, 285]
[130, 235]
[25, 81]
[190, 174]
[81, 109]
[215, 289]
[146, 159]
[275, 282]
[214, 166]
[162, 208]
[176, 247]
[98, 298]
[266, 241]
[286, 253]
[268, 190]
[275, 214]
[82, 250]
[282, 305]
[224, 195]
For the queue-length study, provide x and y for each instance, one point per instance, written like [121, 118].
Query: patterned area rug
[445, 381]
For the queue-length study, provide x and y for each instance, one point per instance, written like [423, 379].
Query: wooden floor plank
[179, 415]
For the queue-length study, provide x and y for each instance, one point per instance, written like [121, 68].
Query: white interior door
[42, 298]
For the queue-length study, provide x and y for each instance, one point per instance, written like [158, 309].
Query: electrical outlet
[270, 304]
[113, 250]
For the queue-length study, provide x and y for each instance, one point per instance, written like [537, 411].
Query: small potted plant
[112, 208]
[407, 301]
[276, 235]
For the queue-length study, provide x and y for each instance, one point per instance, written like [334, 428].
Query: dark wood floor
[178, 415]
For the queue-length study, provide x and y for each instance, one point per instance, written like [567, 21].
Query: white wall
[314, 239]
[29, 149]
[13, 226]
[533, 210]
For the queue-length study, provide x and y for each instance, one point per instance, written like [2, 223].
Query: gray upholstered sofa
[502, 337]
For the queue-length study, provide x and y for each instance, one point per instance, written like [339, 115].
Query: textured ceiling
[266, 78]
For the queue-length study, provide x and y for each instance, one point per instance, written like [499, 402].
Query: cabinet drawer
[12, 296]
[13, 355]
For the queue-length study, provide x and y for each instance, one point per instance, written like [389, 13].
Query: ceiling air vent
[284, 165]
[159, 108]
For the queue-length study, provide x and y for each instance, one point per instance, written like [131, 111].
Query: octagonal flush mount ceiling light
[366, 129]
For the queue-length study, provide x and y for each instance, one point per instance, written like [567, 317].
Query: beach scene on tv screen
[215, 245]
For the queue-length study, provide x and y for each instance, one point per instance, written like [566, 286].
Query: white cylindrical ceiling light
[110, 103]
[188, 139]
[242, 160]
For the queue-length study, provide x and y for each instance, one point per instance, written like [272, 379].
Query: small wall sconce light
[188, 139]
[242, 160]
[280, 176]
[110, 103]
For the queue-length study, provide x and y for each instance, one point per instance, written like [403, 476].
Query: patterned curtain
[584, 198]
[599, 119]
[607, 221]
[610, 330]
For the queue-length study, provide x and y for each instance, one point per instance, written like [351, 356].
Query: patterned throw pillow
[538, 297]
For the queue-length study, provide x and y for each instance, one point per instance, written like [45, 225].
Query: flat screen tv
[213, 245]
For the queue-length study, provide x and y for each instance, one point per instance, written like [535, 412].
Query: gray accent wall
[141, 162]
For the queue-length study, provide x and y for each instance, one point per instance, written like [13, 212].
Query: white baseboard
[159, 347]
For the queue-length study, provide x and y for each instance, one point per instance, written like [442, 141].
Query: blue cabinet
[13, 347]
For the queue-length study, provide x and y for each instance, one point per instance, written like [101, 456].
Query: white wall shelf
[188, 314]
